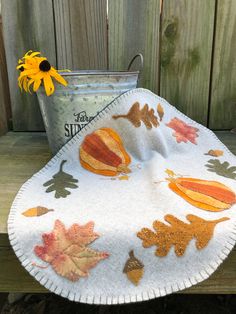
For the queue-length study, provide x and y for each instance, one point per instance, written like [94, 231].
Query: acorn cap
[132, 263]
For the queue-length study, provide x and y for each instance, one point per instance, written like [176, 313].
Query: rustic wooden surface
[186, 49]
[27, 25]
[81, 34]
[5, 109]
[134, 27]
[223, 93]
[3, 115]
[21, 155]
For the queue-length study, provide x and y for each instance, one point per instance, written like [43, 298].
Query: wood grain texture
[134, 27]
[223, 92]
[81, 34]
[186, 50]
[22, 154]
[3, 114]
[27, 25]
[5, 106]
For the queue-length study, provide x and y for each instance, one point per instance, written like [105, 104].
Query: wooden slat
[5, 109]
[3, 115]
[133, 28]
[21, 155]
[13, 277]
[27, 24]
[223, 93]
[81, 34]
[186, 50]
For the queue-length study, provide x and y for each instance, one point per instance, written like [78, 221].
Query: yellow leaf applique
[215, 153]
[123, 178]
[178, 234]
[36, 211]
[170, 173]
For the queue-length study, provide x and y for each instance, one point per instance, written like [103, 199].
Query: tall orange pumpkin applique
[102, 152]
[208, 195]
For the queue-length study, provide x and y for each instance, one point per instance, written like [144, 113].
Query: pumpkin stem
[123, 168]
[170, 179]
[160, 181]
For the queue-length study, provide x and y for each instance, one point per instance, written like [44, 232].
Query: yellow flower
[35, 70]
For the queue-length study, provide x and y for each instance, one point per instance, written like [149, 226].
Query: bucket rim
[98, 72]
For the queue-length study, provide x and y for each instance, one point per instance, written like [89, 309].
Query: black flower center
[45, 66]
[21, 68]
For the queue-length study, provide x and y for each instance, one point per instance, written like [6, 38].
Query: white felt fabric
[120, 209]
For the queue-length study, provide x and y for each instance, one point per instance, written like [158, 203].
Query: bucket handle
[139, 55]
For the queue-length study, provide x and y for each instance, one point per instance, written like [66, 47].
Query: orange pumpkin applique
[102, 152]
[208, 195]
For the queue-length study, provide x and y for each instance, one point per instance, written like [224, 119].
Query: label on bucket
[80, 120]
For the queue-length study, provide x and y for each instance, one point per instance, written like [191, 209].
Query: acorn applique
[133, 269]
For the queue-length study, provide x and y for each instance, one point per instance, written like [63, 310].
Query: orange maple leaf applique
[183, 131]
[67, 251]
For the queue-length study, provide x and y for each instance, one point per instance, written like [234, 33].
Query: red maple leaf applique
[67, 251]
[183, 132]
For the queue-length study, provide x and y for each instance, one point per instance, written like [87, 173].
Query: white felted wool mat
[128, 236]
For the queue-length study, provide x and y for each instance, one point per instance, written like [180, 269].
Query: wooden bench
[21, 155]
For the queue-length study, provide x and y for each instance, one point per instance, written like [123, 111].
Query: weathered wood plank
[3, 115]
[81, 34]
[134, 27]
[223, 92]
[5, 109]
[21, 155]
[27, 25]
[13, 277]
[186, 49]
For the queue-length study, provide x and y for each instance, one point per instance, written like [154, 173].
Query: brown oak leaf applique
[178, 234]
[215, 153]
[183, 131]
[137, 115]
[133, 269]
[36, 211]
[67, 250]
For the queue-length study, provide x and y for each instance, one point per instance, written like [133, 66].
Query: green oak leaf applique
[61, 182]
[223, 169]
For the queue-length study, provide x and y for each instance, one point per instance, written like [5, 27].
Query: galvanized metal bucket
[70, 108]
